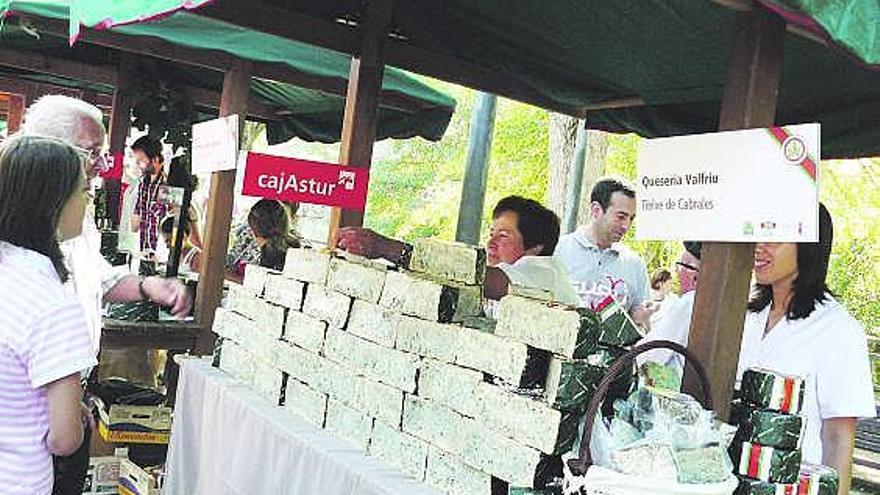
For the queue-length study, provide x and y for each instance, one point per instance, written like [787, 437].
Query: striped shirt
[43, 338]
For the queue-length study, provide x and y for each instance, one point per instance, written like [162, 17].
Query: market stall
[618, 66]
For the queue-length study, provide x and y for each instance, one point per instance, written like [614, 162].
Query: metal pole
[473, 190]
[573, 194]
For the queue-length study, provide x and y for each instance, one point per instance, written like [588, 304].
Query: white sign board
[215, 145]
[755, 185]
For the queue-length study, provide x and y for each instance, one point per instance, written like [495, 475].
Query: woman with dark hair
[44, 338]
[269, 221]
[795, 327]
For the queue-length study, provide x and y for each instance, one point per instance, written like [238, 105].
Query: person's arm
[65, 415]
[167, 292]
[496, 284]
[367, 243]
[135, 222]
[838, 438]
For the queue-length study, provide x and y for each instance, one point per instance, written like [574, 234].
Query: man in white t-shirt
[674, 320]
[597, 263]
[518, 253]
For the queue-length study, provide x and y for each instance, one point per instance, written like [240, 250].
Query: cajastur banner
[305, 181]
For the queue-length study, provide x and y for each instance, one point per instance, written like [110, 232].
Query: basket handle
[579, 465]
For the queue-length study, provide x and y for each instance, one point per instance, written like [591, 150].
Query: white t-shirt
[91, 276]
[828, 349]
[674, 325]
[596, 273]
[543, 273]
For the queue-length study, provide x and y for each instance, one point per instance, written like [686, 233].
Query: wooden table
[177, 337]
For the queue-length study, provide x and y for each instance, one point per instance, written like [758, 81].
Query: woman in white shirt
[795, 326]
[44, 338]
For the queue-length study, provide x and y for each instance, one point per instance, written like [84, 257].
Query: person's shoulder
[566, 240]
[834, 317]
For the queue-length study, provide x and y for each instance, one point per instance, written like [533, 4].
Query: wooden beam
[749, 100]
[283, 22]
[120, 125]
[14, 113]
[362, 103]
[55, 66]
[234, 100]
[213, 59]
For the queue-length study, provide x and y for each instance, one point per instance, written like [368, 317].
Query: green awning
[579, 55]
[308, 114]
[103, 14]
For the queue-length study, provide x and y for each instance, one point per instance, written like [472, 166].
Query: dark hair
[537, 224]
[270, 220]
[694, 247]
[605, 188]
[809, 287]
[150, 147]
[37, 177]
[660, 276]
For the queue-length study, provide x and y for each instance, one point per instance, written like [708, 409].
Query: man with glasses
[675, 320]
[93, 280]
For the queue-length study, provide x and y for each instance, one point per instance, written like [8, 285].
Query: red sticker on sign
[292, 179]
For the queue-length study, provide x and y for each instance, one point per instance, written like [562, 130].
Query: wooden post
[120, 125]
[722, 292]
[362, 102]
[233, 100]
[15, 114]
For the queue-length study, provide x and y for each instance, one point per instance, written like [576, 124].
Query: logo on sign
[794, 150]
[305, 181]
[346, 179]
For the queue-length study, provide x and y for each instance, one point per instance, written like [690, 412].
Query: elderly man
[521, 241]
[675, 321]
[93, 279]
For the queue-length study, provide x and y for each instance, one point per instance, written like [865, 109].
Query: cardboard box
[102, 476]
[133, 480]
[134, 424]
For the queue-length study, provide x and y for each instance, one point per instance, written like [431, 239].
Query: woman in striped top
[44, 339]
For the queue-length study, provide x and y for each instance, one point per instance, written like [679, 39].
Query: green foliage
[415, 191]
[851, 192]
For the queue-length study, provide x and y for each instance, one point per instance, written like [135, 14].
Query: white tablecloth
[226, 439]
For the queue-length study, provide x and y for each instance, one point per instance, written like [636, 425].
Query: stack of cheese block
[767, 448]
[399, 362]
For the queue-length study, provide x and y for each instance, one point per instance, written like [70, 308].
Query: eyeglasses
[687, 266]
[98, 158]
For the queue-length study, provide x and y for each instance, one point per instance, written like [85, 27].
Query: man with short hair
[597, 262]
[92, 278]
[675, 321]
[521, 241]
[148, 211]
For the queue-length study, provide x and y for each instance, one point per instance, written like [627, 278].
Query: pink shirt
[43, 337]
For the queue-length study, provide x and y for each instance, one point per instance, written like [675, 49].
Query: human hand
[642, 314]
[88, 418]
[361, 241]
[170, 293]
